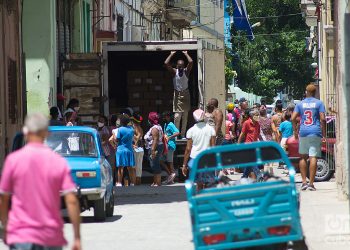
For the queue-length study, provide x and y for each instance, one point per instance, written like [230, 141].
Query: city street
[144, 218]
[157, 218]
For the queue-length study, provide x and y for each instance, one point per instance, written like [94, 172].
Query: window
[69, 144]
[120, 27]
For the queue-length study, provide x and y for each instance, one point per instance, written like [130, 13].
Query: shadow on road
[150, 195]
[90, 219]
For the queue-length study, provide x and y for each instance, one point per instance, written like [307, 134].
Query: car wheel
[323, 171]
[110, 206]
[100, 209]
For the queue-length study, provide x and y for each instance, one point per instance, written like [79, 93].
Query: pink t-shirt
[229, 126]
[36, 177]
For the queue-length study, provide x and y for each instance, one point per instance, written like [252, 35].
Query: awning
[240, 18]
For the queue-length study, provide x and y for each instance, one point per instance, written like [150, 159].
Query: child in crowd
[286, 129]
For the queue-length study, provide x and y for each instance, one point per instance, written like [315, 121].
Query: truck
[132, 74]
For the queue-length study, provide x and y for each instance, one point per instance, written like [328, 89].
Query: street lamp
[258, 24]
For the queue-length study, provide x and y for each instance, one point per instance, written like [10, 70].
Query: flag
[240, 18]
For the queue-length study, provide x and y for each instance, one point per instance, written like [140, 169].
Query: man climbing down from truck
[182, 100]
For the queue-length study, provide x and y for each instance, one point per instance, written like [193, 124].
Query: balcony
[181, 12]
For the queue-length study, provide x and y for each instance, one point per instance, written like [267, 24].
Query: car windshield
[72, 144]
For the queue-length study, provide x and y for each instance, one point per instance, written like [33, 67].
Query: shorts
[138, 160]
[155, 163]
[205, 177]
[169, 157]
[31, 246]
[310, 146]
[283, 143]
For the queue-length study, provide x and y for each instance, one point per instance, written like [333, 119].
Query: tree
[276, 59]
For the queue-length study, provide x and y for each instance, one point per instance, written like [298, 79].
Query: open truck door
[82, 79]
[214, 78]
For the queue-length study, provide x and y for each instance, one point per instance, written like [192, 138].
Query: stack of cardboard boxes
[150, 91]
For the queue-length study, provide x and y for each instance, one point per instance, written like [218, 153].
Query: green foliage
[276, 60]
[230, 74]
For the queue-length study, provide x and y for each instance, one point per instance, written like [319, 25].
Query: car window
[70, 144]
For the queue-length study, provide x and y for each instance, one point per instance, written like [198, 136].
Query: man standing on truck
[182, 100]
[312, 132]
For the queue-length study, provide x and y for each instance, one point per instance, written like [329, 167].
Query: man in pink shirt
[35, 177]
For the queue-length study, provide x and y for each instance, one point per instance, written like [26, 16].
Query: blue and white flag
[240, 18]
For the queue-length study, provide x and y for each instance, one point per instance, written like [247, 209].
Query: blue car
[91, 172]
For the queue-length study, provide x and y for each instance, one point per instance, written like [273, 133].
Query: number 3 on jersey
[308, 118]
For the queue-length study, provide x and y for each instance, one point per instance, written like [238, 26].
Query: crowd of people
[125, 143]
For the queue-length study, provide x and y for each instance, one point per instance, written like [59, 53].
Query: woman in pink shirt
[230, 130]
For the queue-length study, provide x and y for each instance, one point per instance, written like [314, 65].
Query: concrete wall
[39, 45]
[11, 110]
[343, 86]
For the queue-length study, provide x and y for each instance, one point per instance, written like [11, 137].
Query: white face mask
[76, 109]
[100, 124]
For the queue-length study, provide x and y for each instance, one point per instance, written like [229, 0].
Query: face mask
[256, 118]
[100, 124]
[117, 123]
[76, 109]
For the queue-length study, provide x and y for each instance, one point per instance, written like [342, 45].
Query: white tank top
[180, 82]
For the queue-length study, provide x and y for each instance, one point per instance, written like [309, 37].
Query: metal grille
[12, 89]
[331, 105]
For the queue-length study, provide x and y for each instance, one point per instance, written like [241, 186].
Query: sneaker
[132, 184]
[311, 188]
[118, 185]
[304, 186]
[171, 178]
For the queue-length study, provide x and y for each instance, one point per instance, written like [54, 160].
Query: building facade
[209, 26]
[342, 54]
[12, 86]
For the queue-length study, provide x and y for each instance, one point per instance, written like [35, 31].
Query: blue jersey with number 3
[309, 110]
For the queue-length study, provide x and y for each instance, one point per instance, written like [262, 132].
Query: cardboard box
[150, 95]
[156, 102]
[138, 103]
[149, 81]
[156, 74]
[138, 74]
[139, 88]
[135, 95]
[134, 81]
[156, 87]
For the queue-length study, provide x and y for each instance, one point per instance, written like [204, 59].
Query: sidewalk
[324, 218]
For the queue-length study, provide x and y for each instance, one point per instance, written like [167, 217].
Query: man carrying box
[182, 101]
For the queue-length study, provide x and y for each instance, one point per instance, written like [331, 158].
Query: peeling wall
[39, 45]
[343, 85]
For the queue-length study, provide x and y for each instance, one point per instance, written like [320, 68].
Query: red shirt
[251, 130]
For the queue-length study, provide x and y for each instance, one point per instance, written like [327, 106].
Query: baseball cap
[60, 97]
[230, 106]
[242, 100]
[198, 115]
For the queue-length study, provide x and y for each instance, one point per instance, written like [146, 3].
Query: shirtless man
[182, 100]
[218, 118]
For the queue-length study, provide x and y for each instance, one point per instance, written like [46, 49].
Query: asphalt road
[144, 218]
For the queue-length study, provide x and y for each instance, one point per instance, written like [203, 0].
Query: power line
[274, 34]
